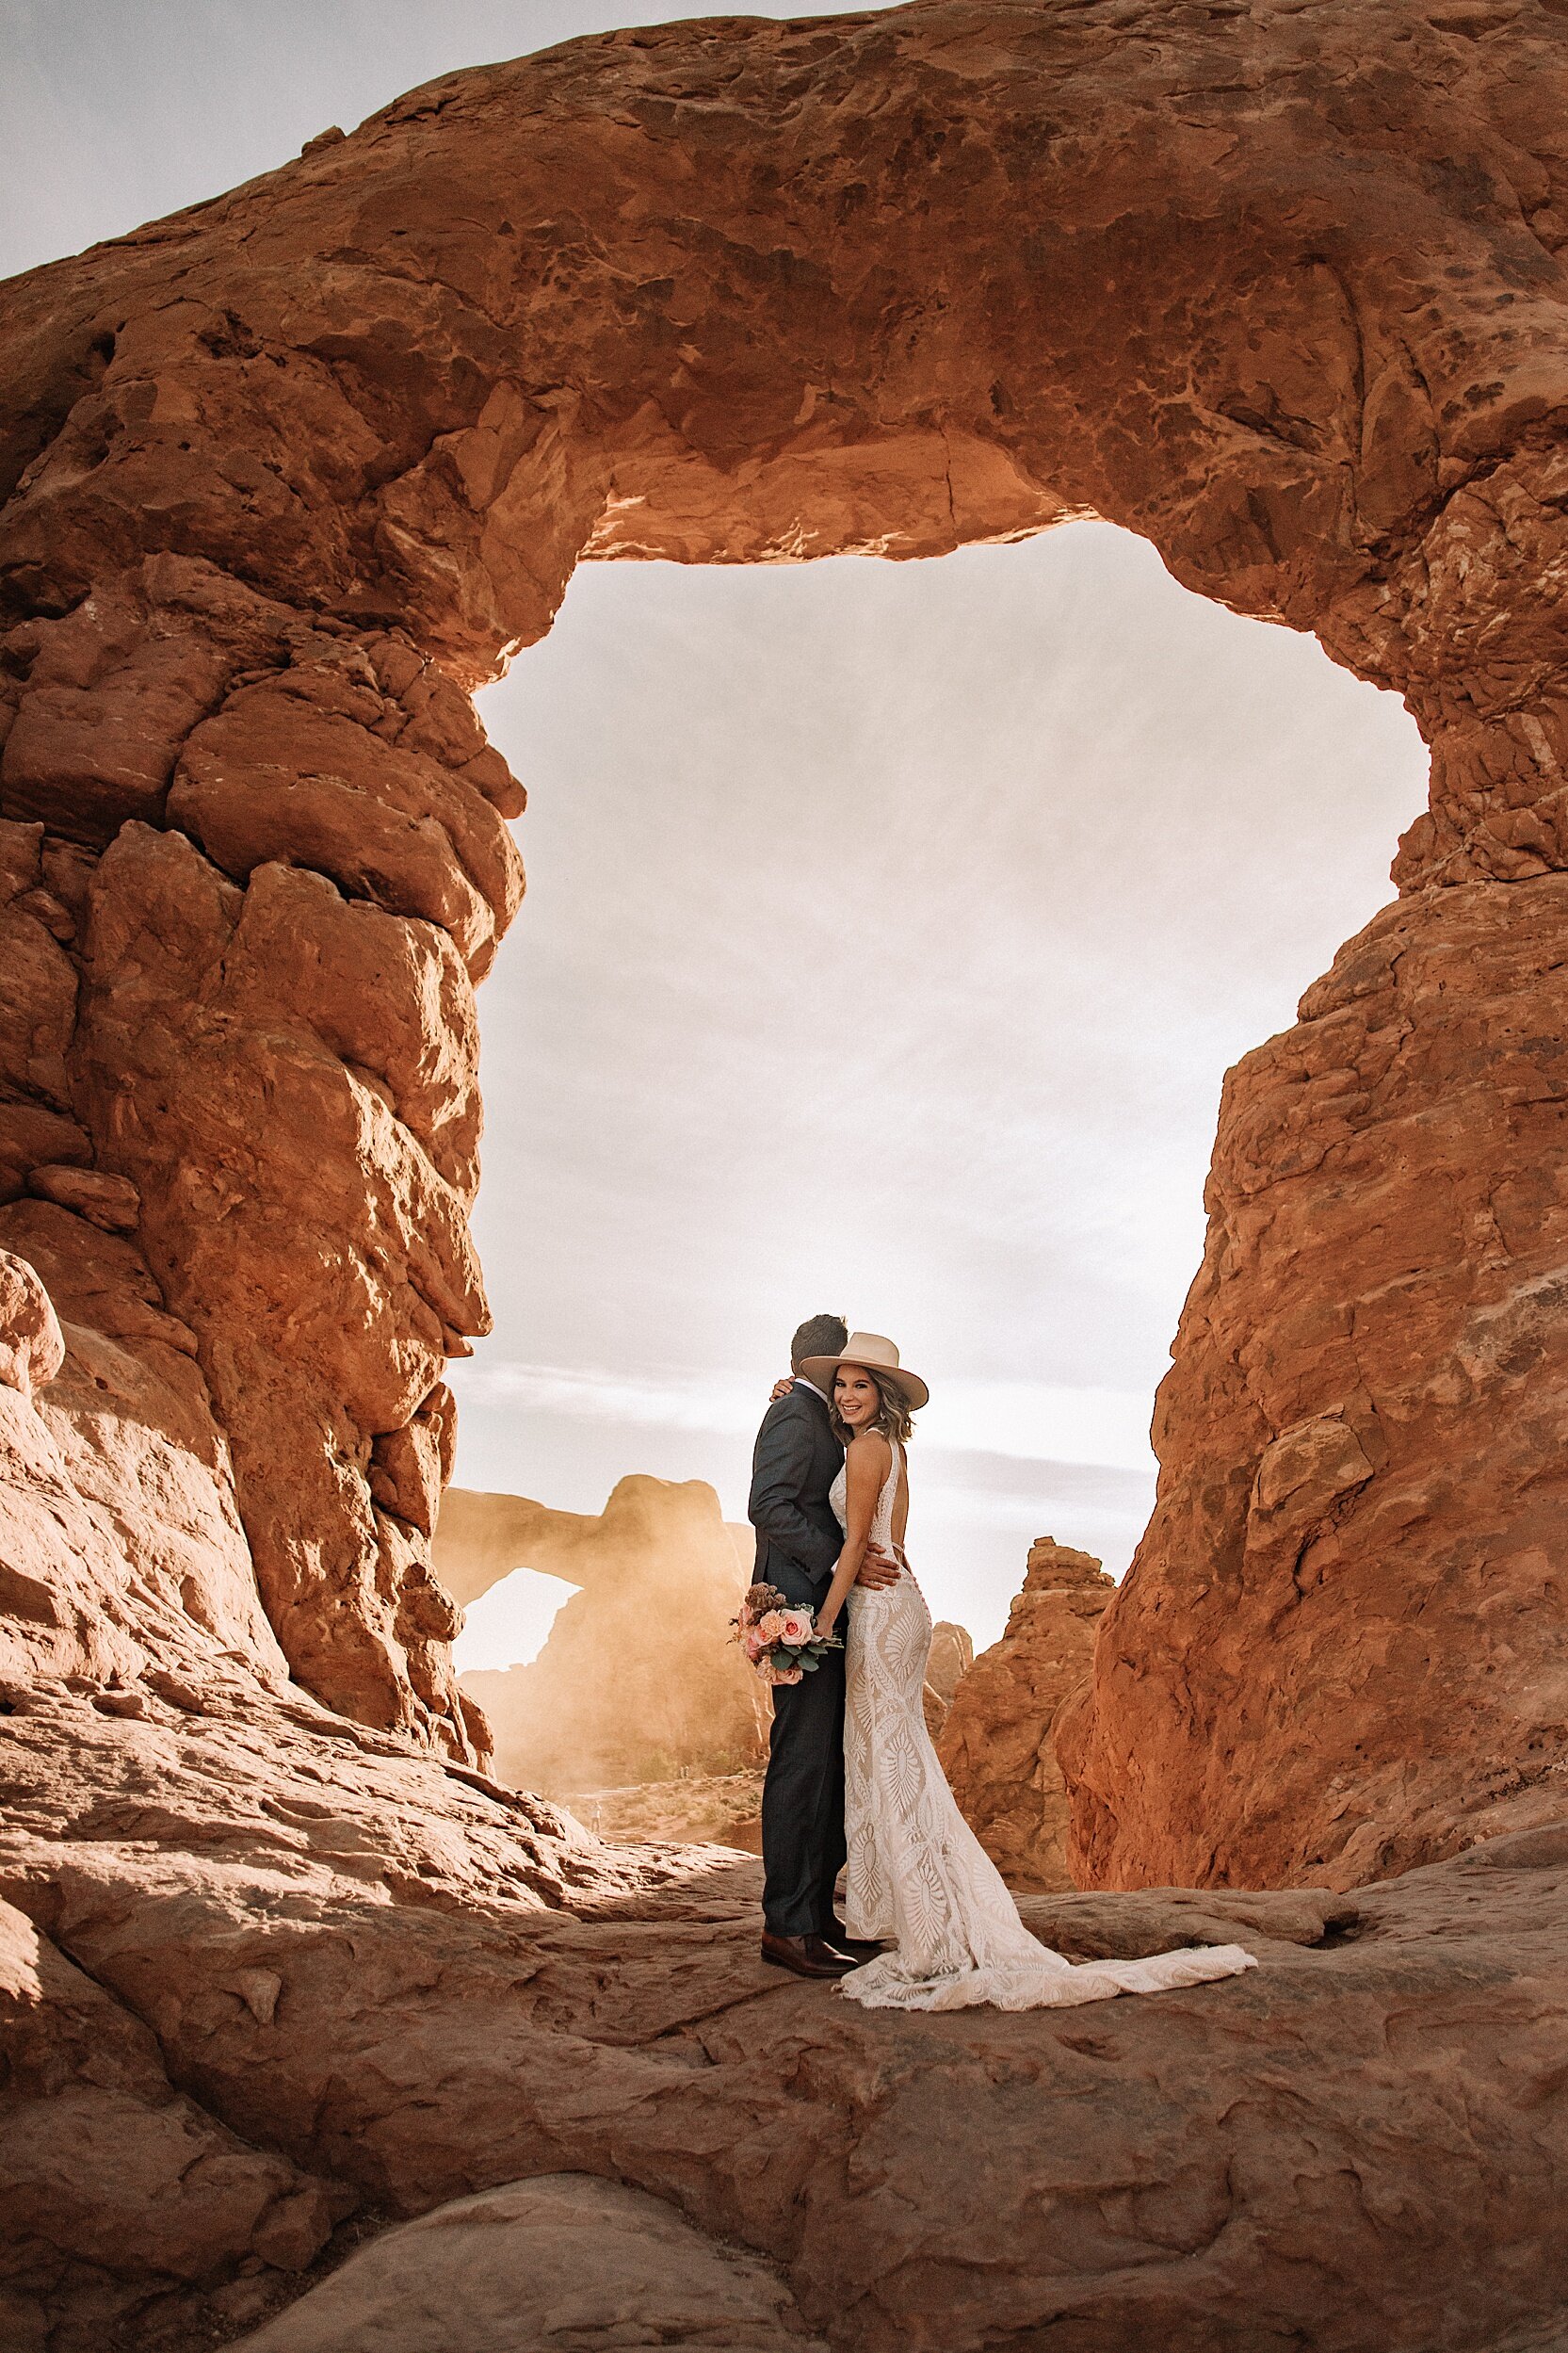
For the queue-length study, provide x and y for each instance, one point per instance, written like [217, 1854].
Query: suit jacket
[796, 1462]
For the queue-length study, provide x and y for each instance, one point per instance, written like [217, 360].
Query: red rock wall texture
[995, 1744]
[1342, 1647]
[1278, 285]
[255, 872]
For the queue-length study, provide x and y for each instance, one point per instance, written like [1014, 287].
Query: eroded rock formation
[1280, 287]
[1342, 1647]
[325, 1967]
[1277, 283]
[560, 2260]
[995, 1743]
[952, 1657]
[638, 1679]
[243, 1032]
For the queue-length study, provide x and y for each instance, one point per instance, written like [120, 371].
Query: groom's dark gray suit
[799, 1542]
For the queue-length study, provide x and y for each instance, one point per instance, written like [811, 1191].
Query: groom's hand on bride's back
[877, 1569]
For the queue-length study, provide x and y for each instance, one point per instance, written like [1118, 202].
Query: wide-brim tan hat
[872, 1353]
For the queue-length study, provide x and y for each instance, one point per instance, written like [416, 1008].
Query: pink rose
[753, 1644]
[771, 1627]
[796, 1626]
[775, 1674]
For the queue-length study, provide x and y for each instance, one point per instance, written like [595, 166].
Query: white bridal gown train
[917, 1875]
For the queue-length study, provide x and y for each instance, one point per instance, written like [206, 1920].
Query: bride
[917, 1877]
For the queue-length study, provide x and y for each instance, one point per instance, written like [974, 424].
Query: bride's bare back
[917, 1877]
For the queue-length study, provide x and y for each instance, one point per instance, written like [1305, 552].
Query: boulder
[111, 1202]
[559, 2260]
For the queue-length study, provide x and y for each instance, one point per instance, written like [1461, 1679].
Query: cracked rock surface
[338, 1973]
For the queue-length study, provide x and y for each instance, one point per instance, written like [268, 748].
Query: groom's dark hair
[819, 1335]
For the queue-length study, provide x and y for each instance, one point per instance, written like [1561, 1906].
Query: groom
[799, 1541]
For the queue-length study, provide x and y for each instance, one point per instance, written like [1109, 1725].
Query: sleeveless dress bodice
[917, 1877]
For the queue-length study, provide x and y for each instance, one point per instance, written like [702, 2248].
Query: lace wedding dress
[918, 1874]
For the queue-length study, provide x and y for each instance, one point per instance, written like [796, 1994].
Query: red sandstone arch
[1278, 286]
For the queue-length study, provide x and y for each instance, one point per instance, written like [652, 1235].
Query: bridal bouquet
[779, 1637]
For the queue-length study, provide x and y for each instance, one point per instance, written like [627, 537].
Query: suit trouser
[802, 1803]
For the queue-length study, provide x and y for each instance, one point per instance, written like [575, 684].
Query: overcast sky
[889, 926]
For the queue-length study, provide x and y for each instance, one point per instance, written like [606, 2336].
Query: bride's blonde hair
[894, 1417]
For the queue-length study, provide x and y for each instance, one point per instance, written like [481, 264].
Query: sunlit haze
[890, 927]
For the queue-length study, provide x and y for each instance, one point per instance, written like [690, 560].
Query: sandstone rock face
[995, 1744]
[120, 1541]
[263, 1071]
[31, 1349]
[717, 1809]
[560, 2260]
[100, 2155]
[638, 1680]
[1354, 1574]
[1350, 405]
[365, 1972]
[126, 2198]
[1281, 288]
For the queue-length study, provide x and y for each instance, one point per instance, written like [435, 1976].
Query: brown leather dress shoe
[808, 1957]
[859, 1949]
